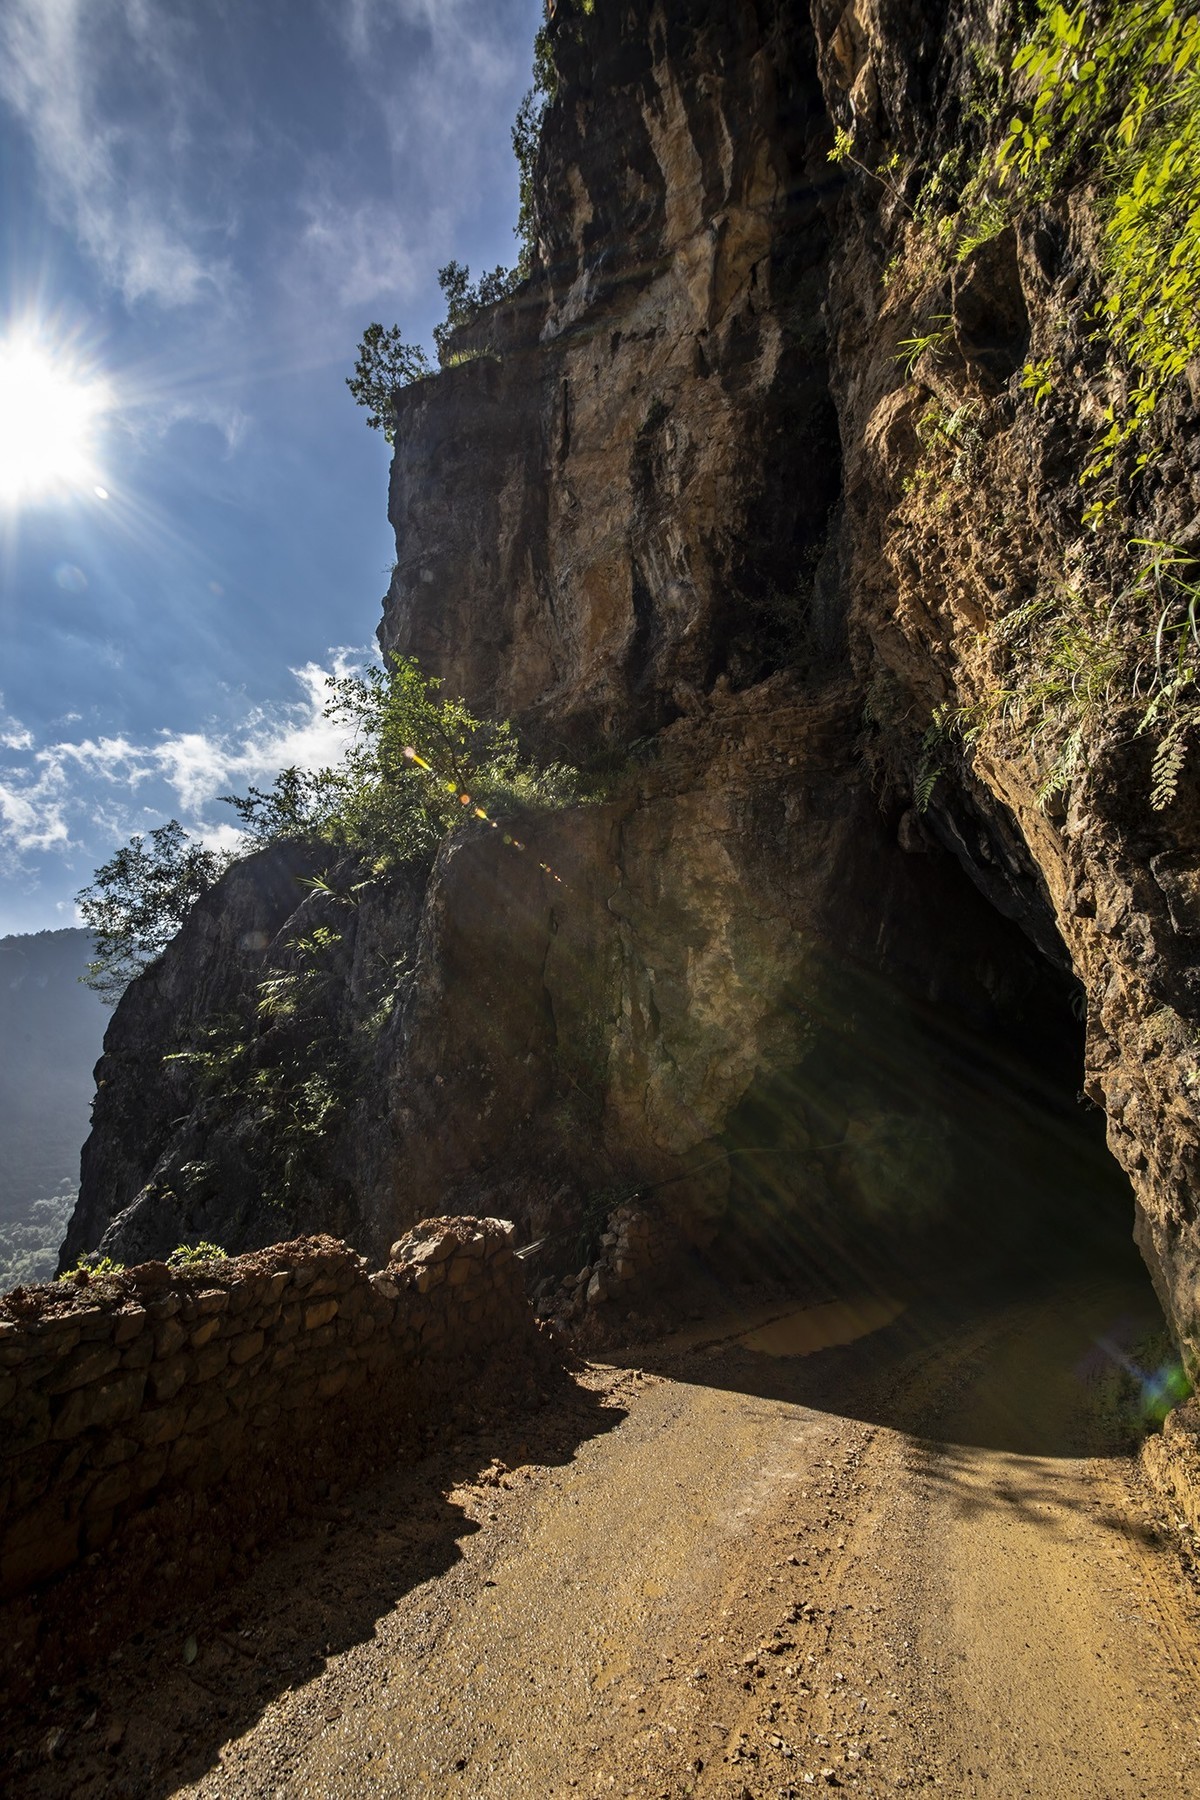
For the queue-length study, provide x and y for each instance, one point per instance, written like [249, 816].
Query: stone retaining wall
[636, 1247]
[198, 1406]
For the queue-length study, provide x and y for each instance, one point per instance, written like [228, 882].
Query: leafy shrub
[418, 767]
[465, 303]
[291, 1059]
[187, 1256]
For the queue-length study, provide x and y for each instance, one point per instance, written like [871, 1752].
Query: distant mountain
[51, 1030]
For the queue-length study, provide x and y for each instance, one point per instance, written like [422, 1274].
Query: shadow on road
[1073, 1363]
[157, 1715]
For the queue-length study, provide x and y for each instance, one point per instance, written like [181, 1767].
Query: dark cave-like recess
[923, 1140]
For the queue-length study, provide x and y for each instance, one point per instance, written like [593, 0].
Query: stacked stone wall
[634, 1255]
[155, 1418]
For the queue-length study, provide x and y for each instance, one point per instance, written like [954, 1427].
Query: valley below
[896, 1542]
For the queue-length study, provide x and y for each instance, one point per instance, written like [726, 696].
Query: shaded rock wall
[963, 502]
[179, 1151]
[141, 1095]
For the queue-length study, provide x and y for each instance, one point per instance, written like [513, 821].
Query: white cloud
[442, 79]
[226, 839]
[111, 177]
[68, 790]
[13, 735]
[33, 816]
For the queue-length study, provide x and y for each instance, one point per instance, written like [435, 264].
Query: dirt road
[751, 1566]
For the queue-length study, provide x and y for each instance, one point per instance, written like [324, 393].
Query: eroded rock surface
[962, 504]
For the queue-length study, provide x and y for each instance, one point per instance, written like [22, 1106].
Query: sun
[52, 406]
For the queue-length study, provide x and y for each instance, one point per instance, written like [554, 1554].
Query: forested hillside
[51, 1027]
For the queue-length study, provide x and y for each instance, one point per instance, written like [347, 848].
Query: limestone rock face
[624, 496]
[817, 968]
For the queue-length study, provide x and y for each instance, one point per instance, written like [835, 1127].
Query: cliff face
[623, 499]
[815, 967]
[948, 531]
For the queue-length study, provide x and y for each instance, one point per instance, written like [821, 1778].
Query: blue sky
[202, 204]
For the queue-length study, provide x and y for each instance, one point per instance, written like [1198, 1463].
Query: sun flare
[51, 410]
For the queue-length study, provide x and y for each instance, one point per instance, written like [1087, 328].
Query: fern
[925, 784]
[1167, 766]
[1081, 664]
[1063, 770]
[943, 726]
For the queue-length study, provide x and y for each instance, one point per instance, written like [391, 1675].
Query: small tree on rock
[385, 365]
[138, 901]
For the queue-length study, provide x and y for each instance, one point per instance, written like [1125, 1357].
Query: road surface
[885, 1545]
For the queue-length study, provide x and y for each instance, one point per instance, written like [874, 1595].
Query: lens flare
[52, 405]
[464, 799]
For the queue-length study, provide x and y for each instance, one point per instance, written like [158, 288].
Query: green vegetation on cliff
[1111, 96]
[385, 363]
[1084, 133]
[416, 767]
[1104, 98]
[138, 900]
[287, 1063]
[1083, 662]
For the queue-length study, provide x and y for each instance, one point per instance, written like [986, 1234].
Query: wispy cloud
[110, 175]
[32, 814]
[442, 79]
[226, 417]
[469, 58]
[138, 138]
[99, 788]
[361, 253]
